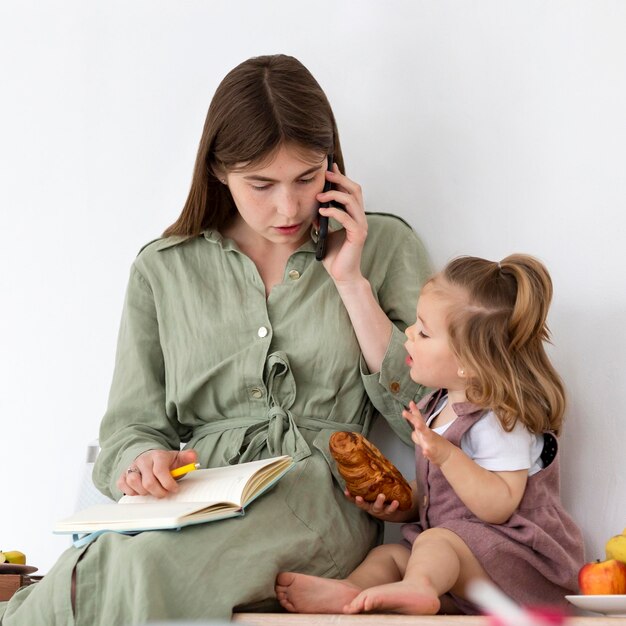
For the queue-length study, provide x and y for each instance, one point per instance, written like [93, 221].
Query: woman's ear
[461, 373]
[220, 174]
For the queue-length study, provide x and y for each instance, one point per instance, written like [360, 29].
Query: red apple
[602, 577]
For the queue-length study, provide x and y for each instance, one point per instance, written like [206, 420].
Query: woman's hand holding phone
[371, 324]
[344, 248]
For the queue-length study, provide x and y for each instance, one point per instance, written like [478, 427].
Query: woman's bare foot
[400, 597]
[300, 593]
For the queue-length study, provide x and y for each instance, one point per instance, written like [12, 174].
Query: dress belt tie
[279, 432]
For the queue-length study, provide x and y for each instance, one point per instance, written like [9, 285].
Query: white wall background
[492, 126]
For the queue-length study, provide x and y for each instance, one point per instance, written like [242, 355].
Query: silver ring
[133, 470]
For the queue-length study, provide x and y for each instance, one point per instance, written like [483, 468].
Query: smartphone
[320, 250]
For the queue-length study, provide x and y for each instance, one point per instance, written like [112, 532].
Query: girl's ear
[461, 373]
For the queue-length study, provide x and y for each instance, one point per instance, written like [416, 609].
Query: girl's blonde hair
[498, 336]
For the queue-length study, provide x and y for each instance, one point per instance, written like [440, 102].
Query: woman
[236, 342]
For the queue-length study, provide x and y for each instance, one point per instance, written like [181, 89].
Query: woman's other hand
[343, 256]
[149, 473]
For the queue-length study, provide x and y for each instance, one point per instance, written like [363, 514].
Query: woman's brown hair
[498, 333]
[261, 104]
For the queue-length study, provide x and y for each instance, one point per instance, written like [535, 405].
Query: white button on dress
[262, 332]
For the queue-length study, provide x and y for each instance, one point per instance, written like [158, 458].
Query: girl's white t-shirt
[495, 449]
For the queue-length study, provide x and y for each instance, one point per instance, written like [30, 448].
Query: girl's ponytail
[532, 301]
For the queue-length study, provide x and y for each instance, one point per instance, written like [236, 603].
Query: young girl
[486, 504]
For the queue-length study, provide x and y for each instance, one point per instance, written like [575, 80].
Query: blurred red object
[537, 616]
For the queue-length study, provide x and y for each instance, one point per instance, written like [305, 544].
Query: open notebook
[205, 495]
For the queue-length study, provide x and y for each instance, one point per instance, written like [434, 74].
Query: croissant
[366, 471]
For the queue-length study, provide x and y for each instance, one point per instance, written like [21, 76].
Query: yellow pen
[184, 469]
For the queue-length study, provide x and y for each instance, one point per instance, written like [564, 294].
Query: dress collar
[430, 402]
[215, 236]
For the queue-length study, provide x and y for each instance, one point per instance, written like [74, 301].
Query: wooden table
[297, 619]
[10, 583]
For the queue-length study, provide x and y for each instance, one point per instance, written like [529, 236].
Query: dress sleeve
[136, 418]
[391, 389]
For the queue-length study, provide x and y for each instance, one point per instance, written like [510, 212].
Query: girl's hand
[435, 448]
[386, 512]
[149, 473]
[344, 248]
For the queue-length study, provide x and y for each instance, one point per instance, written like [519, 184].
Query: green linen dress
[204, 358]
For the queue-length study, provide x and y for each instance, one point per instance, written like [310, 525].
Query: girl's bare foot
[300, 593]
[400, 597]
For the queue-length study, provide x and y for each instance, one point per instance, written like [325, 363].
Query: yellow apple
[616, 548]
[15, 557]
